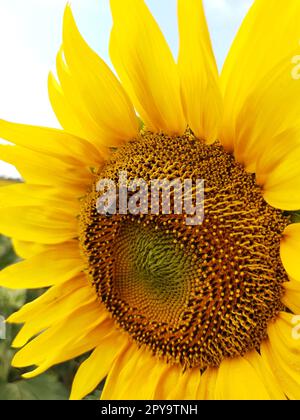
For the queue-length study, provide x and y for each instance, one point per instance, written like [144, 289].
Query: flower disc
[192, 294]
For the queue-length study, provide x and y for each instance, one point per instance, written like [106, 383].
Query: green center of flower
[151, 272]
[192, 294]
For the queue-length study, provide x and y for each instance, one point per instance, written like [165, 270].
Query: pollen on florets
[192, 294]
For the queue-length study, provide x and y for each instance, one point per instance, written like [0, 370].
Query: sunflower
[164, 310]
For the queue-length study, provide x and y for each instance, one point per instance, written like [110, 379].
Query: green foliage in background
[52, 385]
[12, 386]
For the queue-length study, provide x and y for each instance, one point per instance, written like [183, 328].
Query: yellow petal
[97, 366]
[67, 103]
[146, 66]
[31, 165]
[50, 347]
[277, 171]
[41, 225]
[36, 195]
[290, 249]
[53, 313]
[238, 380]
[100, 94]
[266, 375]
[174, 384]
[53, 296]
[207, 388]
[64, 111]
[186, 387]
[134, 375]
[282, 353]
[25, 249]
[52, 142]
[261, 96]
[201, 92]
[254, 133]
[291, 296]
[73, 349]
[255, 364]
[54, 265]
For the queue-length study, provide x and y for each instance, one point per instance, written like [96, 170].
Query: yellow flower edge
[252, 109]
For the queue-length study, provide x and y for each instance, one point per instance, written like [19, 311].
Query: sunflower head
[192, 295]
[195, 308]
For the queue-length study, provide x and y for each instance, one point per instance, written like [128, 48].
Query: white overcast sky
[30, 35]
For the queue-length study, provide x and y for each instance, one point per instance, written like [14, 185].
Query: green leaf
[45, 387]
[296, 217]
[7, 254]
[11, 300]
[6, 355]
[12, 392]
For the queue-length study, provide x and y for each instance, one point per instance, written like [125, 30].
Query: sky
[30, 36]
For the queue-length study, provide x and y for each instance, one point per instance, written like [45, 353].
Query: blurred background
[30, 36]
